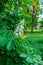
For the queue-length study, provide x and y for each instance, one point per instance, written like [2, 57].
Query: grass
[34, 34]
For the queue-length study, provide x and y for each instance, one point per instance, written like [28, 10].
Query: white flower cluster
[20, 28]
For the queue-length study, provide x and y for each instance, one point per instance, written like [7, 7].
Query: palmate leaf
[5, 37]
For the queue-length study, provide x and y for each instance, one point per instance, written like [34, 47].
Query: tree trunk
[32, 24]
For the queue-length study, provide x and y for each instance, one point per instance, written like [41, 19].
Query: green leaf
[9, 46]
[23, 55]
[29, 60]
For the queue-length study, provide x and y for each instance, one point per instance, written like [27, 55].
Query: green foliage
[16, 50]
[20, 51]
[9, 17]
[14, 11]
[41, 24]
